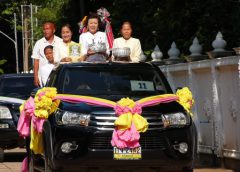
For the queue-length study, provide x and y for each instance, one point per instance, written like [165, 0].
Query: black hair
[94, 16]
[126, 22]
[68, 26]
[48, 47]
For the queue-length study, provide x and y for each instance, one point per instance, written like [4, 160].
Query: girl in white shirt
[94, 43]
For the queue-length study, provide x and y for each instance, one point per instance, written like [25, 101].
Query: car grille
[105, 120]
[156, 142]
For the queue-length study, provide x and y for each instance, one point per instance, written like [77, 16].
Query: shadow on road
[14, 156]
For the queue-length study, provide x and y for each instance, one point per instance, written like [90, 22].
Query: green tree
[48, 10]
[2, 61]
[179, 21]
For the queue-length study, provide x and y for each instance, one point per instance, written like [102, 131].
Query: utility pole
[28, 22]
[15, 42]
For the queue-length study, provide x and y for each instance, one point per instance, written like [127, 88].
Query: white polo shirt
[38, 53]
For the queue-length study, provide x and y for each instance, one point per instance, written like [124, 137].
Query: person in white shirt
[38, 50]
[128, 41]
[47, 68]
[94, 43]
[69, 51]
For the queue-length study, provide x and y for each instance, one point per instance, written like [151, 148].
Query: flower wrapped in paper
[74, 51]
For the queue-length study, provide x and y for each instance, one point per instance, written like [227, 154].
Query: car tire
[1, 155]
[47, 167]
[187, 169]
[31, 164]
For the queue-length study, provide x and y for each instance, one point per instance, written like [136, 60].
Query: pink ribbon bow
[25, 118]
[130, 137]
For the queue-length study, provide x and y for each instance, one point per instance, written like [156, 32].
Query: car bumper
[160, 156]
[9, 137]
[104, 159]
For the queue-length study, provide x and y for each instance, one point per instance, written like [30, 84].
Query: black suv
[14, 89]
[73, 146]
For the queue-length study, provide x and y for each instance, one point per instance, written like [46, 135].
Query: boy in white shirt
[46, 69]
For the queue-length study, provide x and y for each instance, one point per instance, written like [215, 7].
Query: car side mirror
[34, 91]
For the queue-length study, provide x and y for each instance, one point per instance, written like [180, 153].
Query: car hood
[170, 107]
[11, 100]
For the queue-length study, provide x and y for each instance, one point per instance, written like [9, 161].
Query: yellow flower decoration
[126, 102]
[185, 98]
[44, 104]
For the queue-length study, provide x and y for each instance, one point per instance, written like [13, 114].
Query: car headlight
[72, 118]
[5, 113]
[175, 119]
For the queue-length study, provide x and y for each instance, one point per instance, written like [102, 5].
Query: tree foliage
[165, 21]
[2, 61]
[48, 10]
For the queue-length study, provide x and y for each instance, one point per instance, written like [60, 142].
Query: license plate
[127, 153]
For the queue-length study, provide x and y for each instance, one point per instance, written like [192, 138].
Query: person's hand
[90, 52]
[110, 59]
[66, 59]
[82, 58]
[36, 81]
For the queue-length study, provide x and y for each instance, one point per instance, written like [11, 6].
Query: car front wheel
[1, 155]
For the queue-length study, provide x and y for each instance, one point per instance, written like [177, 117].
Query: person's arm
[137, 52]
[35, 57]
[57, 53]
[35, 70]
[115, 45]
[83, 43]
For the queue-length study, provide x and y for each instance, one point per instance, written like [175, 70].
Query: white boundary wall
[215, 84]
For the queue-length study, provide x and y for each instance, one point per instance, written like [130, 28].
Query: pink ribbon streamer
[84, 100]
[24, 167]
[104, 14]
[159, 100]
[120, 138]
[25, 118]
[109, 33]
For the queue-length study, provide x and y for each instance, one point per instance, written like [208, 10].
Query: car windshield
[112, 81]
[17, 87]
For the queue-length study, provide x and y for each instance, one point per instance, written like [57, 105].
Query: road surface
[13, 158]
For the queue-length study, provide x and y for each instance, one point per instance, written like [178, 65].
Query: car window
[18, 87]
[111, 81]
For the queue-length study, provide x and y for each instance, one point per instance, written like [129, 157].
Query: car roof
[16, 75]
[109, 64]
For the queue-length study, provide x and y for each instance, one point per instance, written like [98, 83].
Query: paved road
[13, 158]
